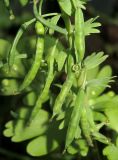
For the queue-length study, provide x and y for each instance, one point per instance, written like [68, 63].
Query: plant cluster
[52, 113]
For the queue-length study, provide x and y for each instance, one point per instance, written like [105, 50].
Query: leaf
[60, 55]
[19, 128]
[54, 20]
[60, 59]
[90, 26]
[92, 73]
[66, 6]
[38, 146]
[111, 112]
[100, 103]
[49, 43]
[78, 3]
[106, 71]
[81, 4]
[30, 99]
[23, 2]
[98, 83]
[99, 117]
[79, 145]
[17, 70]
[94, 60]
[111, 151]
[47, 142]
[9, 86]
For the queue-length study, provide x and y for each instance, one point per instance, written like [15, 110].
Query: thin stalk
[47, 23]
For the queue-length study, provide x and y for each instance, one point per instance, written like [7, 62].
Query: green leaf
[105, 72]
[111, 112]
[101, 103]
[94, 60]
[47, 142]
[60, 54]
[21, 130]
[92, 73]
[98, 83]
[66, 6]
[39, 146]
[54, 20]
[17, 70]
[111, 152]
[78, 3]
[60, 59]
[23, 2]
[9, 86]
[79, 145]
[30, 99]
[90, 26]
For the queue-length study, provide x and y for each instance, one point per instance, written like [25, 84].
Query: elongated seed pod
[79, 34]
[11, 57]
[86, 127]
[49, 80]
[75, 118]
[38, 57]
[65, 88]
[62, 95]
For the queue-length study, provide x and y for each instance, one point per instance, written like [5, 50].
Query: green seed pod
[39, 28]
[38, 57]
[86, 127]
[75, 118]
[79, 34]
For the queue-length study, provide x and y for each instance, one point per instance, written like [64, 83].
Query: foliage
[52, 114]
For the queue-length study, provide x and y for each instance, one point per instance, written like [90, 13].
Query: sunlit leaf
[90, 26]
[94, 60]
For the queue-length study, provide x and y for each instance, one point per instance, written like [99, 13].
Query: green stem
[68, 28]
[47, 23]
[40, 7]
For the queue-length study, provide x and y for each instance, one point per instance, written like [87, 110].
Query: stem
[47, 23]
[40, 7]
[50, 14]
[68, 28]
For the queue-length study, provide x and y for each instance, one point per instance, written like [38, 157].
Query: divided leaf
[105, 76]
[94, 60]
[111, 151]
[20, 130]
[66, 6]
[90, 26]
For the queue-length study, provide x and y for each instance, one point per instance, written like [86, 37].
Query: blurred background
[107, 41]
